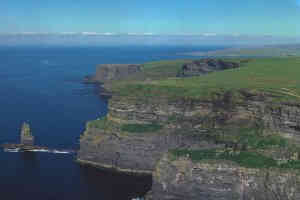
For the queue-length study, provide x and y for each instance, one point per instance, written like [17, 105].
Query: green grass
[102, 123]
[141, 128]
[244, 158]
[253, 138]
[295, 164]
[163, 69]
[276, 76]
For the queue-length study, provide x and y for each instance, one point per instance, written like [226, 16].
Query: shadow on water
[114, 185]
[30, 160]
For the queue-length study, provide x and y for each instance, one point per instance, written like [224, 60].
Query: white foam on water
[62, 152]
[39, 150]
[12, 150]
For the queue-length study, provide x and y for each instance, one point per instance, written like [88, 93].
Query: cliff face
[185, 125]
[136, 152]
[205, 66]
[213, 142]
[181, 178]
[26, 135]
[109, 72]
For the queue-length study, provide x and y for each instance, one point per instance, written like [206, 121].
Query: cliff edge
[207, 136]
[110, 72]
[205, 66]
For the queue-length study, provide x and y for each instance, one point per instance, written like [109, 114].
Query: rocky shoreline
[114, 169]
[138, 136]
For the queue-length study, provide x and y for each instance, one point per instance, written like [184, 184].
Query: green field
[278, 77]
[246, 159]
[140, 128]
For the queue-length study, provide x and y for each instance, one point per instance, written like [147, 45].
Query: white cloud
[31, 33]
[96, 33]
[108, 33]
[89, 33]
[68, 33]
[132, 34]
[148, 34]
[209, 34]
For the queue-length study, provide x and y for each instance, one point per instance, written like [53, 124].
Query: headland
[229, 133]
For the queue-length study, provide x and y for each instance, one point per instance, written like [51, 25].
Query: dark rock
[26, 135]
[205, 66]
[109, 72]
[183, 179]
[180, 179]
[141, 152]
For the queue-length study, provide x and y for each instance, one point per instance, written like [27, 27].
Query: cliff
[205, 66]
[26, 135]
[132, 137]
[195, 134]
[109, 72]
[181, 178]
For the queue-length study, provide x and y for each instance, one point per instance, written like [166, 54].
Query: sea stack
[26, 135]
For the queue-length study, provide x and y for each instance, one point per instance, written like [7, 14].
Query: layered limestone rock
[185, 124]
[109, 72]
[26, 135]
[205, 66]
[139, 133]
[283, 118]
[137, 154]
[180, 178]
[134, 152]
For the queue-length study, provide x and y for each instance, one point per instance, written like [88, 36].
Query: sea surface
[43, 86]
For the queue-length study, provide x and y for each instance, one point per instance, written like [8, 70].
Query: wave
[38, 150]
[12, 150]
[61, 152]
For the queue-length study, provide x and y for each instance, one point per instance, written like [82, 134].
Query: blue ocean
[43, 86]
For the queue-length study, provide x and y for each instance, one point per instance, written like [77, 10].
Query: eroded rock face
[109, 72]
[183, 179]
[180, 179]
[137, 154]
[140, 151]
[205, 66]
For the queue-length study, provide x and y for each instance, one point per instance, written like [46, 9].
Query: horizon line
[86, 33]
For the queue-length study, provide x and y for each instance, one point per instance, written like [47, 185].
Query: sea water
[43, 86]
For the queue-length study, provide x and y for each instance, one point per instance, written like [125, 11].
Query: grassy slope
[279, 76]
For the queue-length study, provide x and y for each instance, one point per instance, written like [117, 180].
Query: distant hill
[263, 51]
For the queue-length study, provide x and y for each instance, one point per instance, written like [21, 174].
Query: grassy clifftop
[277, 77]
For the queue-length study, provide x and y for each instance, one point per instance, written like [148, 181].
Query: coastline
[114, 169]
[178, 134]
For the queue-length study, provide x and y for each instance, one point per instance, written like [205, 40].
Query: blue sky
[253, 17]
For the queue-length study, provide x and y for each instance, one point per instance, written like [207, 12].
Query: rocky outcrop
[133, 154]
[136, 152]
[180, 178]
[139, 133]
[109, 72]
[205, 66]
[26, 135]
[185, 125]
